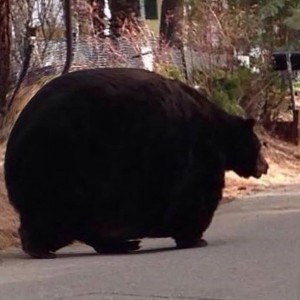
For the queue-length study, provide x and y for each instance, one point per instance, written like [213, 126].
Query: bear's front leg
[190, 216]
[190, 234]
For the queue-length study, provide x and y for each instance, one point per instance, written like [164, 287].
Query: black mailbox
[279, 60]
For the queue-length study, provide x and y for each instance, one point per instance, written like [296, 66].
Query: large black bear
[110, 156]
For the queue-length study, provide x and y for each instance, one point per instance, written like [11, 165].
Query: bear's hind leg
[42, 243]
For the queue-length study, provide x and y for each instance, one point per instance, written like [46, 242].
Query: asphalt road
[253, 254]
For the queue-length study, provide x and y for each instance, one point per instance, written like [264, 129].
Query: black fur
[109, 156]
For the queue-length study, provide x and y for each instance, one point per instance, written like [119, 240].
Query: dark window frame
[151, 11]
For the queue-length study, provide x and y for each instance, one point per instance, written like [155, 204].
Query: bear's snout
[261, 166]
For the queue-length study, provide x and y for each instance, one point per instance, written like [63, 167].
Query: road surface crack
[131, 295]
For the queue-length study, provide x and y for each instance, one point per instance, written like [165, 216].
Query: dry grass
[23, 96]
[8, 218]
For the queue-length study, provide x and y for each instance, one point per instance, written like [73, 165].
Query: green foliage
[276, 100]
[272, 8]
[225, 88]
[222, 98]
[293, 21]
[225, 92]
[273, 23]
[169, 70]
[253, 27]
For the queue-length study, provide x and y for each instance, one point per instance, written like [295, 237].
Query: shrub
[225, 88]
[169, 70]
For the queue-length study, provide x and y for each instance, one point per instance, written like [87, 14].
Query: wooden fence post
[295, 126]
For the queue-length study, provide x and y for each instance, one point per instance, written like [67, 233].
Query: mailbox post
[289, 62]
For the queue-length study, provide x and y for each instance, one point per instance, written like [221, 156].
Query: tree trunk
[170, 30]
[124, 16]
[171, 23]
[69, 36]
[5, 44]
[98, 17]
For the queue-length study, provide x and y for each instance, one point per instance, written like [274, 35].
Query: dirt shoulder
[284, 160]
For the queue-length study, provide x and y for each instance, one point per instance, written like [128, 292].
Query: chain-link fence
[48, 57]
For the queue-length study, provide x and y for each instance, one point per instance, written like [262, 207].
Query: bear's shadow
[142, 251]
[63, 253]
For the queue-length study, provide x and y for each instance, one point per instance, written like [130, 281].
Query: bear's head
[243, 153]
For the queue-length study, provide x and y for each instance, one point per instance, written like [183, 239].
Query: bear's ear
[250, 123]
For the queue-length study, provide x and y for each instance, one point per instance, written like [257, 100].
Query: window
[151, 10]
